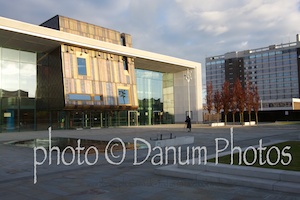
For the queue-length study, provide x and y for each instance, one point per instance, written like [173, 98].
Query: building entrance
[83, 119]
[132, 118]
[157, 117]
[87, 119]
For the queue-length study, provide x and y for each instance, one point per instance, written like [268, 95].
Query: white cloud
[244, 44]
[215, 30]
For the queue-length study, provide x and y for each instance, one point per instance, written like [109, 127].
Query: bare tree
[225, 98]
[256, 101]
[209, 98]
[240, 94]
[218, 103]
[233, 104]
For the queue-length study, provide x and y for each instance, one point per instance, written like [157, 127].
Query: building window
[123, 40]
[123, 96]
[80, 97]
[125, 63]
[98, 98]
[81, 63]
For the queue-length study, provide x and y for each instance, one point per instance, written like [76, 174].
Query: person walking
[188, 123]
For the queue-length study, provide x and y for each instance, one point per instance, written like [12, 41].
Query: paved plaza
[104, 180]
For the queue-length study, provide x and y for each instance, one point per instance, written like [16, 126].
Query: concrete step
[247, 171]
[256, 182]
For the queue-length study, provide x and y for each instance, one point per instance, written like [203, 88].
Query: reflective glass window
[28, 78]
[98, 98]
[81, 62]
[9, 75]
[80, 97]
[149, 84]
[10, 54]
[125, 63]
[123, 96]
[18, 74]
[27, 57]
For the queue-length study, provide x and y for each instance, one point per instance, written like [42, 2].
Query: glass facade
[168, 96]
[18, 84]
[275, 71]
[215, 72]
[155, 96]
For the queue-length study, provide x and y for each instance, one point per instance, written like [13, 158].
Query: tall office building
[274, 69]
[71, 74]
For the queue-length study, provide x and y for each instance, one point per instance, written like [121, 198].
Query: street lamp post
[188, 78]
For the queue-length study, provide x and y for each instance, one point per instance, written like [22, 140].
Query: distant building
[71, 74]
[274, 69]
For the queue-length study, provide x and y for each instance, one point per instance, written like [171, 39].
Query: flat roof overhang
[24, 36]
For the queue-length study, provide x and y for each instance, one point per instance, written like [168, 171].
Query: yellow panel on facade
[96, 87]
[78, 85]
[105, 73]
[116, 72]
[67, 72]
[95, 74]
[88, 86]
[103, 70]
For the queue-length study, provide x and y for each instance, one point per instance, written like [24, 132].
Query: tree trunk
[249, 114]
[256, 117]
[218, 117]
[240, 118]
[243, 120]
[225, 119]
[233, 118]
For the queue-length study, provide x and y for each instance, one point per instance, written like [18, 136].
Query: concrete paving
[127, 181]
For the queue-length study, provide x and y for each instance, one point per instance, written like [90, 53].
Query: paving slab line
[270, 179]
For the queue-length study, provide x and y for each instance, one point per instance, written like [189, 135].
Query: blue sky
[188, 29]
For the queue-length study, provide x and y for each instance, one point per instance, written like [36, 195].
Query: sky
[187, 29]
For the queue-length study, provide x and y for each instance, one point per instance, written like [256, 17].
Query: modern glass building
[70, 74]
[274, 69]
